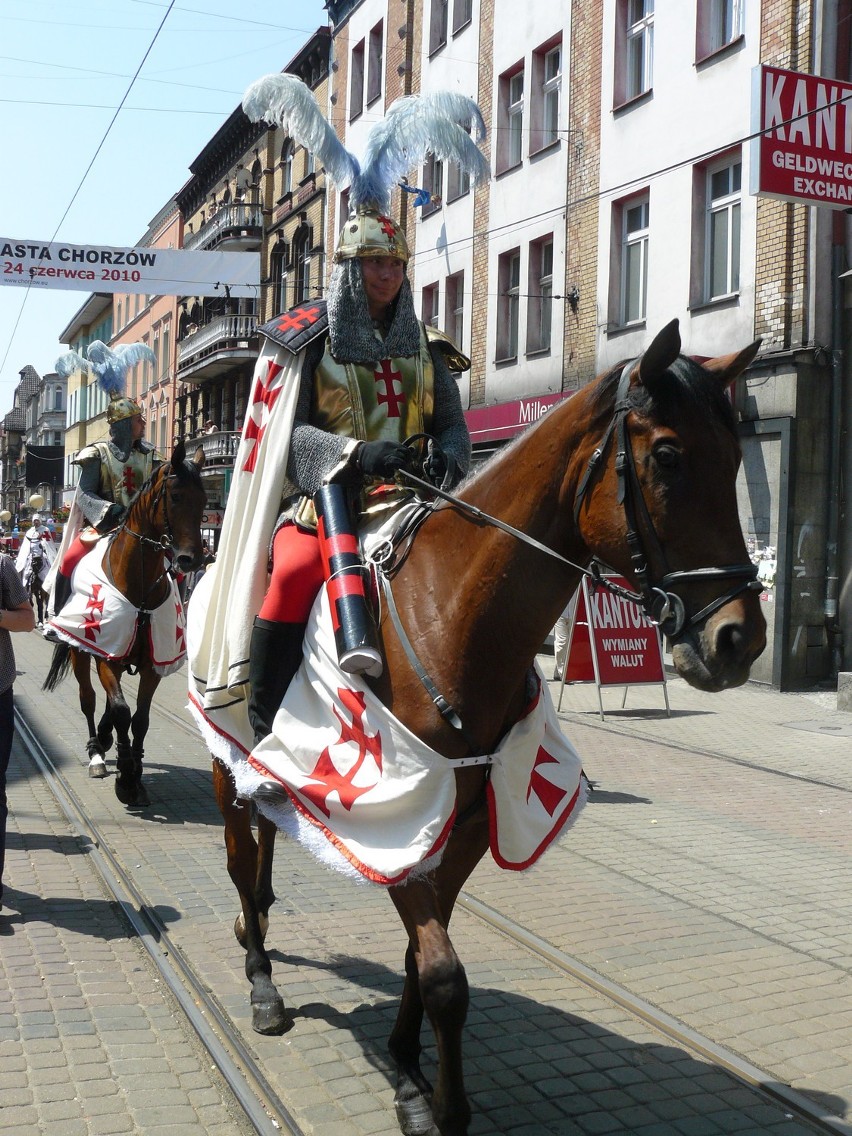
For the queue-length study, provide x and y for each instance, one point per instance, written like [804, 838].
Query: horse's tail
[59, 667]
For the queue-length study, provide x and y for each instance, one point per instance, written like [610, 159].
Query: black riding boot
[274, 657]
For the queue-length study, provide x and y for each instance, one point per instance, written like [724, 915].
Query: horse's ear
[178, 455]
[198, 458]
[728, 367]
[664, 349]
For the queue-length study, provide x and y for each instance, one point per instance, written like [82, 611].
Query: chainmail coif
[353, 339]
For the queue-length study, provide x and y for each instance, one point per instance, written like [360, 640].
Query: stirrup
[362, 660]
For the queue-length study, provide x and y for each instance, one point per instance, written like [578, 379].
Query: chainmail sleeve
[313, 452]
[448, 424]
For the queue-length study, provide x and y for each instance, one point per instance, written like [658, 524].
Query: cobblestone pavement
[709, 876]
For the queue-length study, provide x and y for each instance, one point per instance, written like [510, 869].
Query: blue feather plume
[109, 364]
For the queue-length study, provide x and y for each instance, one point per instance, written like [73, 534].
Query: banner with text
[612, 641]
[151, 271]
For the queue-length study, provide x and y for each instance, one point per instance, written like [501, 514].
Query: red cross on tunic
[388, 226]
[298, 318]
[391, 398]
[180, 633]
[94, 610]
[262, 401]
[326, 773]
[128, 481]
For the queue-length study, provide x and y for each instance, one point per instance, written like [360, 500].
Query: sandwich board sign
[612, 642]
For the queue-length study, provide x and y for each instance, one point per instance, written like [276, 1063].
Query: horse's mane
[181, 469]
[694, 387]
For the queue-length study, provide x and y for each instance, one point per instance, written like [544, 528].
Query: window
[510, 121]
[454, 308]
[429, 309]
[302, 264]
[57, 437]
[508, 305]
[57, 398]
[634, 216]
[433, 180]
[164, 374]
[718, 23]
[356, 81]
[540, 306]
[458, 181]
[634, 45]
[287, 167]
[722, 231]
[438, 25]
[376, 63]
[462, 12]
[546, 83]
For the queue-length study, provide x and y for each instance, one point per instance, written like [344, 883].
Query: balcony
[216, 348]
[237, 228]
[219, 448]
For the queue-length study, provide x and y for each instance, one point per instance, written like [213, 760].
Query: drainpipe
[832, 528]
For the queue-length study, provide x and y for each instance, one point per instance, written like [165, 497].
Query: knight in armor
[339, 386]
[371, 375]
[111, 472]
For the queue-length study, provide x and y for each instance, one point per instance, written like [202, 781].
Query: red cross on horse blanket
[97, 618]
[366, 794]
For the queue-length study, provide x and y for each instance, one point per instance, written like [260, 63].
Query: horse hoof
[127, 794]
[270, 1017]
[414, 1118]
[142, 798]
[97, 767]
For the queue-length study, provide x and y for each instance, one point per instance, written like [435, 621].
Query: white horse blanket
[97, 618]
[364, 792]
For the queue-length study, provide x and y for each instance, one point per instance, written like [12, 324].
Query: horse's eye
[667, 457]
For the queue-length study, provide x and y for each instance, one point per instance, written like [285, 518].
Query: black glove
[440, 468]
[381, 459]
[112, 518]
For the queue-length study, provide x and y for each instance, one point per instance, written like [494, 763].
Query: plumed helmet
[368, 232]
[121, 407]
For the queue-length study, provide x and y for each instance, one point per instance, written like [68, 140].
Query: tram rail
[262, 1106]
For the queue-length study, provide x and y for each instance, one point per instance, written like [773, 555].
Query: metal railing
[219, 447]
[222, 329]
[237, 216]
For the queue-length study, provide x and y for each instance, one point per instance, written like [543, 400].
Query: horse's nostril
[730, 640]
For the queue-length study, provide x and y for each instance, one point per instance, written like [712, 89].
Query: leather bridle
[663, 606]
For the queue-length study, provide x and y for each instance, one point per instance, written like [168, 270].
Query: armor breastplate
[390, 400]
[122, 480]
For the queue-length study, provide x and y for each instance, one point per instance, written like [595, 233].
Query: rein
[162, 545]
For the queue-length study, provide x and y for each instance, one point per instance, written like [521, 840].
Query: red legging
[297, 576]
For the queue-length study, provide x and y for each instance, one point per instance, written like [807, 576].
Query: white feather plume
[109, 364]
[416, 125]
[283, 100]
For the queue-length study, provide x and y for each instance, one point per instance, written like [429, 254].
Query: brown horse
[638, 471]
[161, 532]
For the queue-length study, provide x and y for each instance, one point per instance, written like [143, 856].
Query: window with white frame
[287, 167]
[509, 304]
[510, 120]
[433, 181]
[722, 229]
[718, 23]
[57, 398]
[375, 67]
[540, 303]
[429, 307]
[634, 217]
[458, 181]
[356, 81]
[438, 25]
[302, 263]
[462, 12]
[546, 84]
[634, 46]
[454, 309]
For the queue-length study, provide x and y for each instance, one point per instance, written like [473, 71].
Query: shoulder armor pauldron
[298, 327]
[88, 453]
[456, 361]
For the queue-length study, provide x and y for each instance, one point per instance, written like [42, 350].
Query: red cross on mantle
[298, 318]
[95, 610]
[550, 795]
[327, 774]
[391, 398]
[263, 399]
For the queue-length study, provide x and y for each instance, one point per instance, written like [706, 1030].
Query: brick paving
[707, 876]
